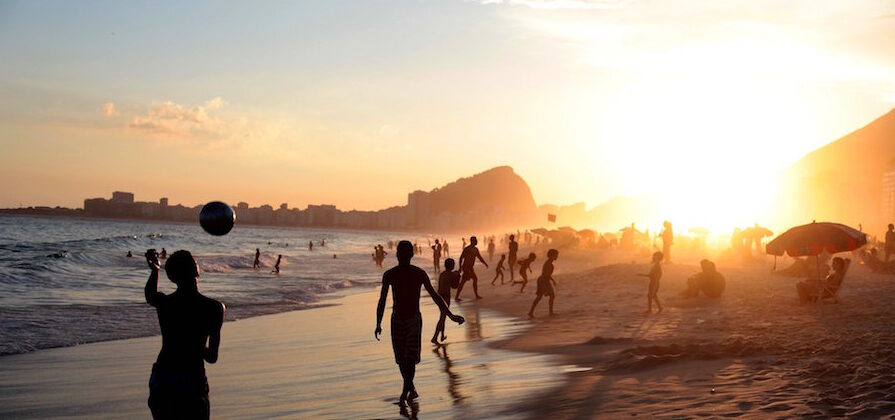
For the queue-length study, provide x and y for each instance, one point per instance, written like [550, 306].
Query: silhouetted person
[655, 273]
[164, 254]
[511, 259]
[257, 264]
[498, 272]
[191, 336]
[436, 256]
[467, 270]
[446, 280]
[667, 239]
[323, 242]
[890, 242]
[446, 247]
[524, 269]
[276, 267]
[491, 250]
[310, 245]
[405, 280]
[810, 290]
[129, 255]
[545, 283]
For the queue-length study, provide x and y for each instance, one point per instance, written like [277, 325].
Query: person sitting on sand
[872, 260]
[276, 267]
[546, 283]
[524, 269]
[446, 280]
[191, 335]
[405, 280]
[709, 281]
[498, 272]
[655, 273]
[809, 290]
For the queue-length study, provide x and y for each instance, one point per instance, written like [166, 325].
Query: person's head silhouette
[182, 269]
[405, 252]
[449, 264]
[552, 254]
[512, 237]
[473, 240]
[891, 226]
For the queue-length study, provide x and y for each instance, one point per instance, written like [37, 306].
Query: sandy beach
[754, 352]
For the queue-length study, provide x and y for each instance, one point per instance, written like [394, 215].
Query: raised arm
[150, 291]
[380, 308]
[440, 302]
[214, 338]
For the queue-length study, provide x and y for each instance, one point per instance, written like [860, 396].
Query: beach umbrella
[815, 238]
[568, 229]
[540, 231]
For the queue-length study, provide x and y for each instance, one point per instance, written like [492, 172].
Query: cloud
[560, 4]
[109, 110]
[199, 122]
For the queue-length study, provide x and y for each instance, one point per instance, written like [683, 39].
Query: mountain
[843, 181]
[496, 197]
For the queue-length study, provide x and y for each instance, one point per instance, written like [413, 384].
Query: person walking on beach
[405, 281]
[436, 256]
[498, 272]
[511, 259]
[667, 239]
[191, 335]
[491, 250]
[446, 247]
[546, 283]
[467, 267]
[655, 273]
[310, 245]
[448, 279]
[257, 264]
[524, 269]
[890, 242]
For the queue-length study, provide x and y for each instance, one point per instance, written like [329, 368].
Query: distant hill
[497, 196]
[843, 181]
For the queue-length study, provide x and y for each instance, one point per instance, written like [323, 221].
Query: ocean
[68, 281]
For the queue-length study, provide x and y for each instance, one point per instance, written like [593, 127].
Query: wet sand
[320, 363]
[754, 352]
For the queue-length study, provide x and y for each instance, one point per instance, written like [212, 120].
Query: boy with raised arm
[405, 281]
[191, 336]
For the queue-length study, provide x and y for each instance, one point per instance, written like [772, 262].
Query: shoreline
[300, 363]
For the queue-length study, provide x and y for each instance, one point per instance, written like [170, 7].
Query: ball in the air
[217, 218]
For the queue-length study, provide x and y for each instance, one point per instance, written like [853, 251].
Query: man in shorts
[467, 270]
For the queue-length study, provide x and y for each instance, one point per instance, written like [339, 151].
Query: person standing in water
[405, 281]
[498, 272]
[546, 283]
[511, 259]
[310, 245]
[257, 264]
[436, 256]
[447, 278]
[667, 239]
[467, 267]
[276, 267]
[491, 250]
[191, 336]
[446, 247]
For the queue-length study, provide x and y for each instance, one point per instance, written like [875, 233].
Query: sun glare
[707, 148]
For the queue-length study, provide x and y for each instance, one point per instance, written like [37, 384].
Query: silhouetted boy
[545, 283]
[524, 269]
[511, 260]
[191, 335]
[407, 322]
[447, 278]
[498, 272]
[655, 273]
[276, 267]
[257, 264]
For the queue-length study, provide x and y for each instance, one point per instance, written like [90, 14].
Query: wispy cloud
[109, 110]
[204, 123]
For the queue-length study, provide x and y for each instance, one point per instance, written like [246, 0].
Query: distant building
[122, 197]
[417, 208]
[321, 215]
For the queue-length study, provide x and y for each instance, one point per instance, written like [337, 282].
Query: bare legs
[531, 312]
[439, 328]
[498, 274]
[650, 298]
[408, 371]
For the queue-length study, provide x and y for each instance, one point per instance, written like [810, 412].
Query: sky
[358, 103]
